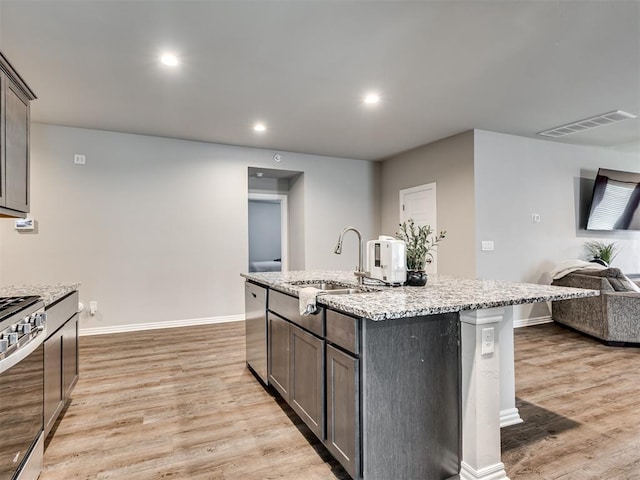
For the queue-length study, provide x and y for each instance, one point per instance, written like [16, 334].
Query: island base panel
[411, 398]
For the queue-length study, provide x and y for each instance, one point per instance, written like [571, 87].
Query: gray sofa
[613, 317]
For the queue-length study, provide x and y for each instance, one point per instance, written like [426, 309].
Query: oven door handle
[23, 352]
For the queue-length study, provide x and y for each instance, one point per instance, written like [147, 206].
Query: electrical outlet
[93, 307]
[79, 159]
[488, 341]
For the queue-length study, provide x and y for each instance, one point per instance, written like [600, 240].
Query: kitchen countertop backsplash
[50, 293]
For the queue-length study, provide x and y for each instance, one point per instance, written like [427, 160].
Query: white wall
[516, 177]
[264, 231]
[449, 163]
[155, 229]
[297, 206]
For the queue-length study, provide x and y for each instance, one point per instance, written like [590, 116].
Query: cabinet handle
[254, 295]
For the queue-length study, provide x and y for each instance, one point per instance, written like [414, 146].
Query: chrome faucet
[360, 273]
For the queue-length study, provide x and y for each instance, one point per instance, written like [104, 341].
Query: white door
[419, 203]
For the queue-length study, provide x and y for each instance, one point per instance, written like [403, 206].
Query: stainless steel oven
[22, 333]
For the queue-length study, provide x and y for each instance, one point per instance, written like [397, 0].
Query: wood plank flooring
[580, 401]
[180, 404]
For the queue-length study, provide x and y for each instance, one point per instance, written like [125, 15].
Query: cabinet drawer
[60, 312]
[289, 307]
[342, 330]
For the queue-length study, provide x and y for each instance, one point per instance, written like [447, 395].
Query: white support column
[481, 396]
[509, 414]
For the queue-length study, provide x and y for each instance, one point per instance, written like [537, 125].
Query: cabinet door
[69, 355]
[279, 337]
[343, 413]
[307, 380]
[16, 145]
[53, 393]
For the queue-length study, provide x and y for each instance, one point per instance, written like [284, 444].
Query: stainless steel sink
[322, 285]
[343, 291]
[330, 288]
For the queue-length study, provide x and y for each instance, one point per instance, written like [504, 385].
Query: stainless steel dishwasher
[255, 301]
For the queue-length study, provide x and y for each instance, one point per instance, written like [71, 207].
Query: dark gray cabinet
[296, 359]
[343, 390]
[15, 96]
[307, 379]
[53, 392]
[383, 397]
[61, 367]
[343, 409]
[279, 341]
[70, 366]
[296, 370]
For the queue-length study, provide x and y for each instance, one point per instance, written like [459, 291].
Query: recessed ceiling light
[259, 127]
[371, 98]
[169, 59]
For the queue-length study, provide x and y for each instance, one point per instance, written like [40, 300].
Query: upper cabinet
[15, 96]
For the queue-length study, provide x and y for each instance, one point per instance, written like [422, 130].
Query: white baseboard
[137, 327]
[527, 322]
[510, 416]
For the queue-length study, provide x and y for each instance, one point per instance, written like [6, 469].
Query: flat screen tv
[615, 203]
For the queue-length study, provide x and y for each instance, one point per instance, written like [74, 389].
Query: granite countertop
[50, 293]
[442, 294]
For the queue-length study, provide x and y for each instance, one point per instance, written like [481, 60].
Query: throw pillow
[611, 272]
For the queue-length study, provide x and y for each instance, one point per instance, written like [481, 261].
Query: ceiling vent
[589, 123]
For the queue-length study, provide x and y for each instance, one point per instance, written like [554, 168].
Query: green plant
[420, 242]
[601, 250]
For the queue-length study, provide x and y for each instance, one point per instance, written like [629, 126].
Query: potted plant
[601, 252]
[420, 243]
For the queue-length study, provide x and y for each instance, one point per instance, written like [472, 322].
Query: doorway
[419, 203]
[275, 219]
[268, 232]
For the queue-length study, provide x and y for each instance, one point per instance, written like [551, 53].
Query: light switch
[487, 245]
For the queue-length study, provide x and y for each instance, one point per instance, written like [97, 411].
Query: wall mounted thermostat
[25, 224]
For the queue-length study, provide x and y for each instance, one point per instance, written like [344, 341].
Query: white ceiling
[302, 67]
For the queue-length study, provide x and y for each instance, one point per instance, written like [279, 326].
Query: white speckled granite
[442, 294]
[49, 293]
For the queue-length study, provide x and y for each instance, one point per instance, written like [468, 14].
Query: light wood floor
[580, 401]
[180, 404]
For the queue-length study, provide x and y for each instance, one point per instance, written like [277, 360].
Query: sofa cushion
[618, 280]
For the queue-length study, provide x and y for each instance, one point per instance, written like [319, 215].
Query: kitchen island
[432, 366]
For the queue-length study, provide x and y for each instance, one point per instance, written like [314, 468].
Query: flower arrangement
[420, 242]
